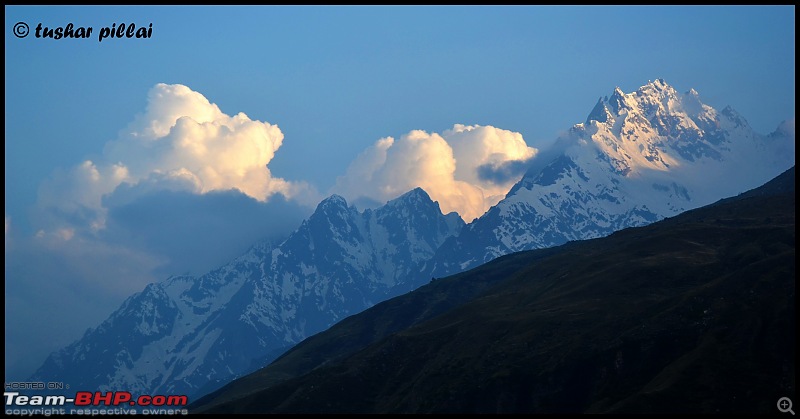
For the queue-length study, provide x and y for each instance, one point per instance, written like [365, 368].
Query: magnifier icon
[785, 405]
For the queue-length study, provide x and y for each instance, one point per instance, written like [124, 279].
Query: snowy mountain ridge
[188, 335]
[638, 157]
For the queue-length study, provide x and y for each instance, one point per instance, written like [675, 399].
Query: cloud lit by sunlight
[182, 142]
[448, 166]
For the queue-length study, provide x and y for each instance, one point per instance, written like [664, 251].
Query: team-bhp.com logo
[94, 403]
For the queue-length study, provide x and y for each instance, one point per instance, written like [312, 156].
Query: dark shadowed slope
[695, 313]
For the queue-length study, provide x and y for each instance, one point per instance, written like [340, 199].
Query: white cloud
[447, 166]
[158, 200]
[183, 189]
[181, 142]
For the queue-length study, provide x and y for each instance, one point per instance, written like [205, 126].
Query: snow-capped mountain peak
[637, 158]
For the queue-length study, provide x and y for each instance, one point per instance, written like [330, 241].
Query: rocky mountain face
[188, 335]
[639, 157]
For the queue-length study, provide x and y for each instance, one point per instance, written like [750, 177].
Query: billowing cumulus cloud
[467, 168]
[181, 142]
[183, 189]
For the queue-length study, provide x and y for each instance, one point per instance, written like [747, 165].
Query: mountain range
[692, 314]
[189, 335]
[638, 158]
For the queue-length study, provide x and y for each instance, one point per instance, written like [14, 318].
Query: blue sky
[334, 80]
